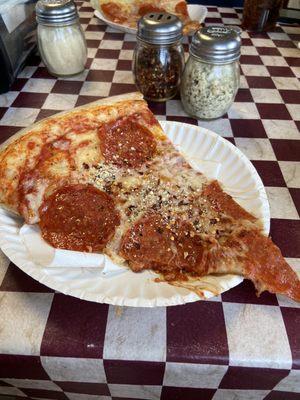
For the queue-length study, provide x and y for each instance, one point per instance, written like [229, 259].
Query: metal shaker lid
[216, 45]
[56, 12]
[159, 28]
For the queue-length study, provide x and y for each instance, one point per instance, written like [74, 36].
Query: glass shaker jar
[211, 76]
[159, 56]
[61, 39]
[261, 15]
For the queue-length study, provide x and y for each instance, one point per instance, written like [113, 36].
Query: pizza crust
[108, 101]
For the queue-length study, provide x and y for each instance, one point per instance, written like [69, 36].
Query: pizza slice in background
[128, 12]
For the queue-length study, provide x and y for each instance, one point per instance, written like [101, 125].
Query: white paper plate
[195, 11]
[239, 179]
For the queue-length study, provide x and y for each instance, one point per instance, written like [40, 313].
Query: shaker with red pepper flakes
[159, 56]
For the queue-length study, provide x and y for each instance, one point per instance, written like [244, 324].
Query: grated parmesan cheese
[167, 185]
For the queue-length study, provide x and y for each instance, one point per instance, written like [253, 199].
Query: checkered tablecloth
[236, 346]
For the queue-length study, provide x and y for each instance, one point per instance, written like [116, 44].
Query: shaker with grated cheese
[61, 39]
[211, 76]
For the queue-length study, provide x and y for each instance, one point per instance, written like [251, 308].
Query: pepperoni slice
[266, 267]
[113, 11]
[78, 218]
[148, 8]
[151, 244]
[126, 143]
[222, 202]
[181, 8]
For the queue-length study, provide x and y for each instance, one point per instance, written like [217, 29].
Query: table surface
[234, 346]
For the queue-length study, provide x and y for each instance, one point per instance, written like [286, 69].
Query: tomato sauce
[78, 124]
[113, 11]
[78, 217]
[126, 143]
[31, 145]
[181, 8]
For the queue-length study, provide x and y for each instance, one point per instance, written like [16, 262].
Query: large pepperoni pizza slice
[105, 178]
[128, 12]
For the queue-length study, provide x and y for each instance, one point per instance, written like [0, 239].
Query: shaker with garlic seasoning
[211, 76]
[61, 39]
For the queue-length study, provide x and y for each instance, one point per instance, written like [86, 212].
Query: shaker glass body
[62, 48]
[261, 15]
[157, 69]
[208, 90]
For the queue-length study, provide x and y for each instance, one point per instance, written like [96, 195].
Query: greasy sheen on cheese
[106, 178]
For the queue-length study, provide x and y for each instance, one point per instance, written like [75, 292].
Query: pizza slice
[105, 178]
[128, 12]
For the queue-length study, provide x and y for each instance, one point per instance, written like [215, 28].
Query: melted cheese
[167, 184]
